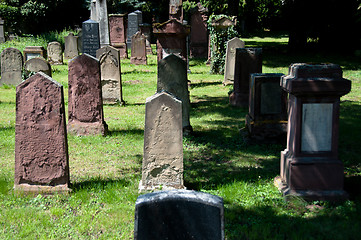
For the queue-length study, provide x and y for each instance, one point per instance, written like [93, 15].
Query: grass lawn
[105, 171]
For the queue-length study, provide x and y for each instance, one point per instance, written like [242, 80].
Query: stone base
[266, 129]
[227, 82]
[238, 99]
[40, 189]
[113, 101]
[147, 188]
[310, 195]
[138, 61]
[84, 129]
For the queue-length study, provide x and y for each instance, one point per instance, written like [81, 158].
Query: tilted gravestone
[139, 52]
[180, 215]
[55, 53]
[71, 46]
[133, 27]
[11, 66]
[117, 33]
[163, 146]
[85, 104]
[111, 77]
[248, 61]
[230, 61]
[41, 149]
[90, 37]
[172, 77]
[37, 64]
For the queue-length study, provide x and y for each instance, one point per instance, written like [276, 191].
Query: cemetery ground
[218, 159]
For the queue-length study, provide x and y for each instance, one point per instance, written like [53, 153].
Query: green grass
[105, 171]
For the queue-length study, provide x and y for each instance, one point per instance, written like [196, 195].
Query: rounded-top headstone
[11, 66]
[37, 64]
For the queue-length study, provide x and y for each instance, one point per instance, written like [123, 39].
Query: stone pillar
[310, 167]
[102, 19]
[248, 60]
[267, 116]
[118, 38]
[41, 148]
[230, 61]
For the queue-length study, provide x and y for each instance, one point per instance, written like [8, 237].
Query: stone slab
[11, 66]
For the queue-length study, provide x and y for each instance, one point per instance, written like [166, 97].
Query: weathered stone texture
[37, 64]
[11, 66]
[71, 46]
[55, 53]
[139, 52]
[117, 33]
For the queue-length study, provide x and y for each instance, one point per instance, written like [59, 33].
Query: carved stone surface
[133, 26]
[55, 53]
[11, 66]
[85, 105]
[117, 32]
[90, 37]
[37, 64]
[163, 145]
[41, 149]
[139, 52]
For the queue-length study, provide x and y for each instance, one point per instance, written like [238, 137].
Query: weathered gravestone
[90, 37]
[86, 115]
[179, 215]
[2, 35]
[172, 77]
[111, 77]
[248, 61]
[133, 27]
[138, 51]
[41, 148]
[71, 46]
[37, 64]
[146, 29]
[11, 66]
[199, 34]
[267, 115]
[230, 61]
[33, 51]
[162, 166]
[102, 19]
[55, 53]
[118, 39]
[310, 167]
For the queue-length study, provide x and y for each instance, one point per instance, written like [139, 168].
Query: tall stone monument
[310, 167]
[111, 77]
[139, 52]
[55, 53]
[102, 19]
[86, 116]
[133, 26]
[90, 37]
[11, 66]
[172, 77]
[71, 46]
[118, 38]
[162, 166]
[41, 148]
[230, 60]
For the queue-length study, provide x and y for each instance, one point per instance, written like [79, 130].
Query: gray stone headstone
[111, 77]
[180, 215]
[230, 61]
[172, 77]
[71, 46]
[102, 19]
[11, 66]
[41, 148]
[37, 64]
[90, 37]
[163, 146]
[55, 53]
[140, 16]
[85, 105]
[133, 27]
[139, 49]
[2, 35]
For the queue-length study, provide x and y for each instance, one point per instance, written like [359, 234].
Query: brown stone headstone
[85, 105]
[111, 77]
[11, 66]
[55, 53]
[37, 64]
[118, 37]
[34, 51]
[71, 46]
[139, 52]
[146, 29]
[41, 149]
[199, 35]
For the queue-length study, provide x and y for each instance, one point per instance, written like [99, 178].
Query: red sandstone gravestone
[117, 27]
[41, 149]
[85, 97]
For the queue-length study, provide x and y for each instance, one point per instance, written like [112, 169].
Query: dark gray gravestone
[179, 215]
[133, 27]
[90, 38]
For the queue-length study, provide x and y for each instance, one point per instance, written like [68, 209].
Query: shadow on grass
[127, 131]
[98, 183]
[205, 84]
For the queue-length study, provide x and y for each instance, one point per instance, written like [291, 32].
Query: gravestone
[2, 34]
[37, 65]
[171, 39]
[33, 51]
[230, 61]
[176, 10]
[199, 34]
[133, 27]
[117, 28]
[267, 116]
[310, 167]
[55, 53]
[86, 116]
[102, 19]
[172, 77]
[179, 214]
[93, 10]
[111, 77]
[90, 37]
[146, 29]
[41, 148]
[248, 61]
[138, 51]
[140, 16]
[11, 66]
[162, 166]
[71, 46]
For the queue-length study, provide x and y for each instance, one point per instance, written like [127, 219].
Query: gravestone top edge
[84, 55]
[90, 21]
[117, 15]
[267, 75]
[133, 14]
[35, 76]
[163, 92]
